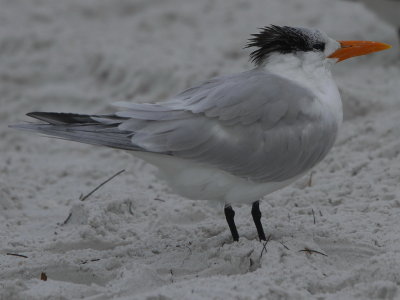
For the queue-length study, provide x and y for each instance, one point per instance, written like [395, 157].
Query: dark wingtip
[33, 114]
[43, 116]
[61, 118]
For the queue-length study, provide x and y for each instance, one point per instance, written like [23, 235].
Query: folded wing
[255, 125]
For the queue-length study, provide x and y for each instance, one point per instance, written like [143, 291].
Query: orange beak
[356, 48]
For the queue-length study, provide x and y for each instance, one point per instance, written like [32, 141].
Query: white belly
[198, 182]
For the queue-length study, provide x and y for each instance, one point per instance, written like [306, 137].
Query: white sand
[134, 239]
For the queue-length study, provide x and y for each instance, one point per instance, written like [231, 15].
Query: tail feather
[81, 128]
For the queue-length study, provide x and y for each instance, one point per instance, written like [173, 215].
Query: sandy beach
[334, 233]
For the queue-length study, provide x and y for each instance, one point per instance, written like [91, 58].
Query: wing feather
[255, 125]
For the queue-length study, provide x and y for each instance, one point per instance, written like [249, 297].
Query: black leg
[256, 213]
[230, 215]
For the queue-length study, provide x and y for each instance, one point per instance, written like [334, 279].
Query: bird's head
[306, 44]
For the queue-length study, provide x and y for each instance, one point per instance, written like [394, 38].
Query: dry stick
[264, 246]
[100, 185]
[83, 198]
[67, 219]
[90, 260]
[286, 247]
[15, 254]
[309, 184]
[313, 214]
[130, 208]
[310, 251]
[190, 253]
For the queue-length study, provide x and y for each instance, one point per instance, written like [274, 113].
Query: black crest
[282, 39]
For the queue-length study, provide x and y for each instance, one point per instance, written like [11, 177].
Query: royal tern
[237, 138]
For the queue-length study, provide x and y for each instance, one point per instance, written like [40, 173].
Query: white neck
[311, 71]
[308, 69]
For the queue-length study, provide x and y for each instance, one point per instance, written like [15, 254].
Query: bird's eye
[319, 46]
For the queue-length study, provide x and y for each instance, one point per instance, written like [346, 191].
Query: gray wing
[255, 125]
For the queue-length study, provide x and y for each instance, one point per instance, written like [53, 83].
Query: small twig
[100, 185]
[320, 213]
[313, 214]
[309, 184]
[190, 250]
[90, 260]
[264, 246]
[67, 219]
[187, 256]
[310, 251]
[251, 263]
[130, 208]
[19, 255]
[286, 247]
[159, 199]
[250, 253]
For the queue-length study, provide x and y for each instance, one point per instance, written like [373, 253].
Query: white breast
[198, 181]
[313, 73]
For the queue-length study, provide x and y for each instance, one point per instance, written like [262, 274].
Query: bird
[232, 139]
